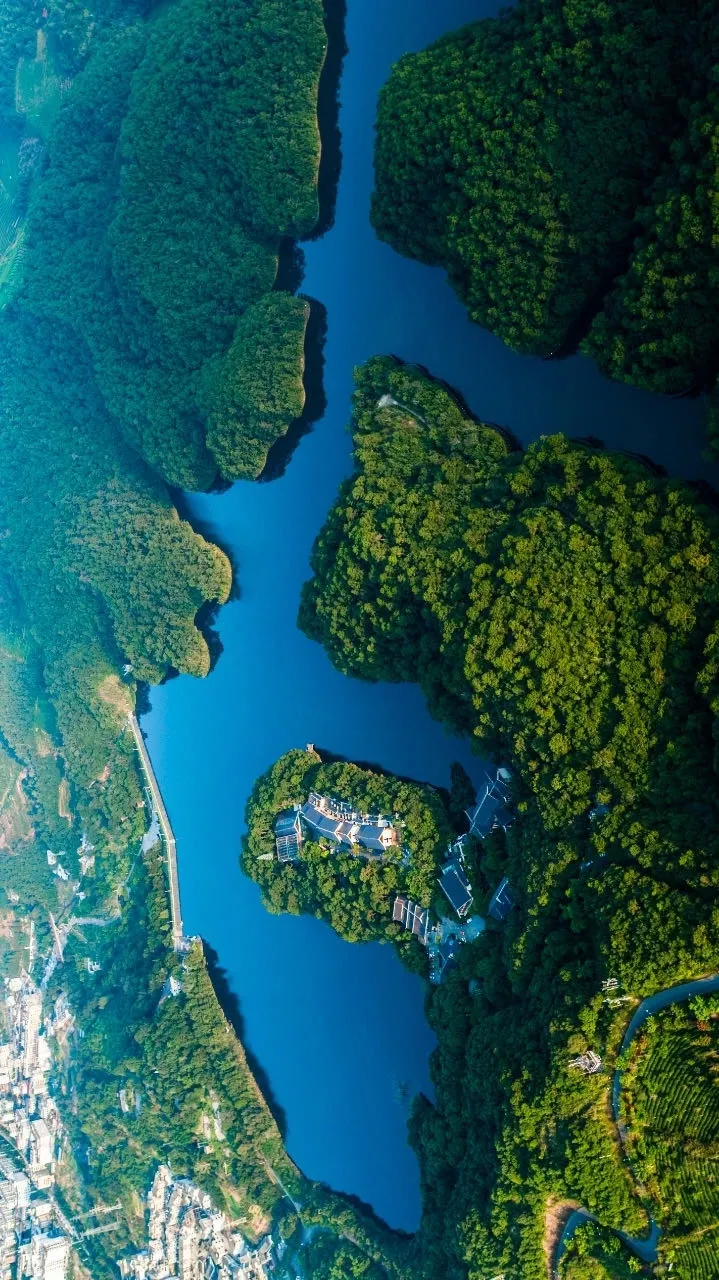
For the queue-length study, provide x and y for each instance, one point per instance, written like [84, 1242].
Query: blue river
[339, 1030]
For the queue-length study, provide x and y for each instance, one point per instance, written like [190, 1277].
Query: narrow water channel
[339, 1030]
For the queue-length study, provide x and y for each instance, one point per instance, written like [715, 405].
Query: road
[178, 936]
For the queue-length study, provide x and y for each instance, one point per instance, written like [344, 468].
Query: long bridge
[178, 936]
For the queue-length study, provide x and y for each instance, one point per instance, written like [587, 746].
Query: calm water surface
[338, 1029]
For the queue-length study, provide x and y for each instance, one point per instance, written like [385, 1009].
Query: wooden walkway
[178, 936]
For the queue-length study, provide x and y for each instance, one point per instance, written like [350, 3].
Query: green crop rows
[673, 1091]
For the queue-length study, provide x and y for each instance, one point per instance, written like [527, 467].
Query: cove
[339, 1030]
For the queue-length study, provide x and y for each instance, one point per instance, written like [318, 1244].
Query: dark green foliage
[556, 603]
[558, 161]
[186, 153]
[657, 327]
[561, 607]
[329, 1259]
[256, 389]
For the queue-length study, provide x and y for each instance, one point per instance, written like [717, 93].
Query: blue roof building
[502, 901]
[456, 887]
[336, 821]
[490, 810]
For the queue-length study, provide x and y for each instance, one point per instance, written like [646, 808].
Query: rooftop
[456, 887]
[502, 901]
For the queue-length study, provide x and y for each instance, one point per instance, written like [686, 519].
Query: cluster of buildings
[31, 1244]
[190, 1240]
[373, 835]
[28, 1114]
[444, 938]
[366, 834]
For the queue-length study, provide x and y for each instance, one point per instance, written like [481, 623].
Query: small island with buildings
[402, 870]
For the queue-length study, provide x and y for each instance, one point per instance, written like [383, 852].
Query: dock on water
[178, 935]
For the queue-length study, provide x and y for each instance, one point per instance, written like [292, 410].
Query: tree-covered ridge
[105, 572]
[561, 607]
[109, 389]
[560, 162]
[558, 603]
[186, 153]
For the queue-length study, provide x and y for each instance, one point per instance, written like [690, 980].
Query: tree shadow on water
[328, 111]
[282, 450]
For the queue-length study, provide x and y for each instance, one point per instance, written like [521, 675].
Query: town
[378, 836]
[36, 1236]
[189, 1239]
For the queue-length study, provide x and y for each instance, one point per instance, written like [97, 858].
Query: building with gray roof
[502, 901]
[456, 887]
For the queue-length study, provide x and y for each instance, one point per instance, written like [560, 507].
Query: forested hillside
[560, 606]
[560, 162]
[152, 158]
[186, 152]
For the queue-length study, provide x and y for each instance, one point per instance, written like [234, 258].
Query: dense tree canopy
[560, 161]
[560, 606]
[186, 152]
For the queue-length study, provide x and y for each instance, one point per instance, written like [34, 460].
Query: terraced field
[672, 1096]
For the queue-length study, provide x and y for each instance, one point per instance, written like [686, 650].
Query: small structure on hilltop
[502, 901]
[413, 917]
[339, 822]
[590, 1062]
[456, 887]
[490, 811]
[288, 834]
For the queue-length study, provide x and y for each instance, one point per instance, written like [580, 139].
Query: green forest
[560, 162]
[187, 151]
[559, 606]
[143, 343]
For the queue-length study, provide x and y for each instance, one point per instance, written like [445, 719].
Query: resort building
[343, 825]
[456, 887]
[288, 835]
[490, 811]
[413, 917]
[502, 901]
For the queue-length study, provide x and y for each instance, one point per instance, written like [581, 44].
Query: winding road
[644, 1247]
